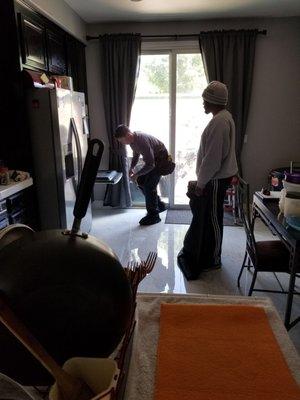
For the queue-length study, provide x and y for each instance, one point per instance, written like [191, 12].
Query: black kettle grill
[68, 288]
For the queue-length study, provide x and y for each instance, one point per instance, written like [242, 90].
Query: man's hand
[130, 173]
[194, 190]
[133, 177]
[199, 191]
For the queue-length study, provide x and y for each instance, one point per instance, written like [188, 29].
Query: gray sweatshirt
[216, 156]
[147, 146]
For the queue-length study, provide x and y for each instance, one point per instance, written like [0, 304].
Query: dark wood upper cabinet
[33, 43]
[45, 46]
[76, 66]
[42, 43]
[71, 55]
[56, 50]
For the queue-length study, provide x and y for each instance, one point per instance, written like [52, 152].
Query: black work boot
[150, 219]
[161, 207]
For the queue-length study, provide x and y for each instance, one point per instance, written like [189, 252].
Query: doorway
[168, 105]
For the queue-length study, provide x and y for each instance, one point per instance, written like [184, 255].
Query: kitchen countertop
[141, 377]
[14, 187]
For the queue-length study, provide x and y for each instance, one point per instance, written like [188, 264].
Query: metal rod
[175, 37]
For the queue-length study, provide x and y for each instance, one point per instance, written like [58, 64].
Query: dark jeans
[148, 185]
[203, 241]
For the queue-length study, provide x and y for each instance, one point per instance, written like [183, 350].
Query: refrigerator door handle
[85, 125]
[78, 147]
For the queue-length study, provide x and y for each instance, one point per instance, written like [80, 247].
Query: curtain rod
[175, 37]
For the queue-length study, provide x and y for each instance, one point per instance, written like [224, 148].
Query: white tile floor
[119, 228]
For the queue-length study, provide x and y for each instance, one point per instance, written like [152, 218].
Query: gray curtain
[228, 56]
[120, 60]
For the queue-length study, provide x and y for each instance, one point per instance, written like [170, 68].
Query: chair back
[243, 204]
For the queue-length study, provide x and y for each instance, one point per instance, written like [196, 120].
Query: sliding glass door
[168, 105]
[189, 118]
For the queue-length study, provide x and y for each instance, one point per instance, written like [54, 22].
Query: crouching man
[147, 178]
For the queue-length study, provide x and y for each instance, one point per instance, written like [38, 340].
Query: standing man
[216, 165]
[147, 178]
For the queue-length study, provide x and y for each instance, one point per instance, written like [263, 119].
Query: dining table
[267, 209]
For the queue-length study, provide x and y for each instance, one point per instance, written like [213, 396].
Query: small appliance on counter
[292, 204]
[278, 175]
[294, 222]
[292, 177]
[289, 203]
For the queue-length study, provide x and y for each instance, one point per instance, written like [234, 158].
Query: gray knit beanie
[216, 93]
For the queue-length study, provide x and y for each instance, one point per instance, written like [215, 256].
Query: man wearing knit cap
[216, 165]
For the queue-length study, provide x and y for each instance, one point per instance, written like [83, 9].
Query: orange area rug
[220, 352]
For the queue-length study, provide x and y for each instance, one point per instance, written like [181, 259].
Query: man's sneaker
[161, 207]
[150, 220]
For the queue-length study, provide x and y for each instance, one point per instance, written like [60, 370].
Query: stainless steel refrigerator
[59, 133]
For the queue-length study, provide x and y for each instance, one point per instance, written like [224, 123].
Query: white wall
[63, 15]
[273, 130]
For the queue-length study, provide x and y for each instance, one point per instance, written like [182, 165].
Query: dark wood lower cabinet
[20, 208]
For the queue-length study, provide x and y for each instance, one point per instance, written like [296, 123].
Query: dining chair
[263, 256]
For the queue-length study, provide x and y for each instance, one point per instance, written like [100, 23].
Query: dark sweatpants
[148, 185]
[203, 241]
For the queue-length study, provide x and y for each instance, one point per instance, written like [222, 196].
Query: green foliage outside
[189, 73]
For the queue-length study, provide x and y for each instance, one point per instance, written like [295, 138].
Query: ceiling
[93, 11]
